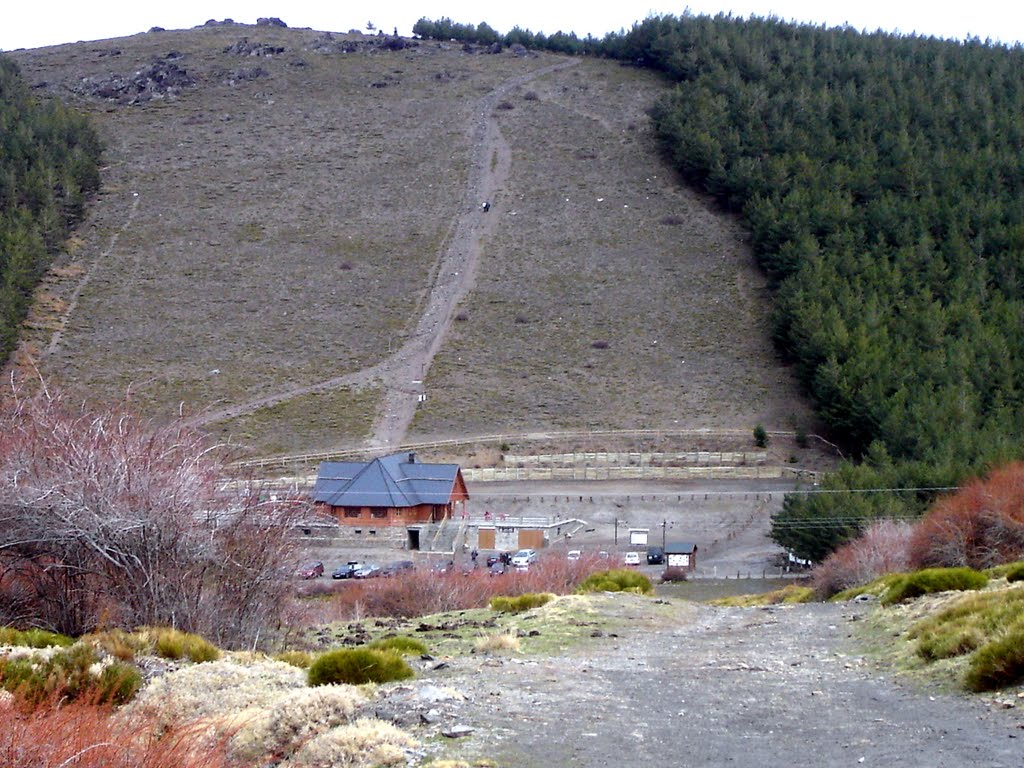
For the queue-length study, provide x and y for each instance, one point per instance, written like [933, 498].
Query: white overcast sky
[32, 24]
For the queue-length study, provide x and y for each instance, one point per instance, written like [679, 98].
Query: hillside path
[722, 686]
[401, 375]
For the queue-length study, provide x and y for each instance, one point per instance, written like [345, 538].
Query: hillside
[277, 205]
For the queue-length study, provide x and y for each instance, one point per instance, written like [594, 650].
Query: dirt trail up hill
[722, 686]
[402, 374]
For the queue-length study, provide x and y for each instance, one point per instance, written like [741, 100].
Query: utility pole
[616, 541]
[664, 527]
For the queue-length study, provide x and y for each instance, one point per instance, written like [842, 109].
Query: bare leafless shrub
[107, 520]
[530, 96]
[882, 548]
[506, 105]
[599, 344]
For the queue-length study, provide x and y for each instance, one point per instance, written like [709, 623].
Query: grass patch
[74, 672]
[356, 666]
[930, 580]
[33, 638]
[174, 644]
[968, 624]
[300, 659]
[617, 580]
[498, 642]
[1010, 571]
[875, 588]
[403, 646]
[999, 663]
[306, 423]
[790, 594]
[520, 603]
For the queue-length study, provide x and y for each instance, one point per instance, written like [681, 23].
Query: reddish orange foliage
[89, 736]
[980, 526]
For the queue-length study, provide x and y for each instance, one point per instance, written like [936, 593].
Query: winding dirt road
[401, 375]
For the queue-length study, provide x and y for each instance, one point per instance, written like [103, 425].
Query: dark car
[312, 570]
[347, 571]
[655, 556]
[401, 566]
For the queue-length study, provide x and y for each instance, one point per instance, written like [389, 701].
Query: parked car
[398, 567]
[366, 571]
[574, 554]
[631, 558]
[655, 556]
[502, 557]
[523, 558]
[497, 568]
[347, 571]
[311, 570]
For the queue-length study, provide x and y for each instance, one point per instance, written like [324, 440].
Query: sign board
[638, 537]
[678, 561]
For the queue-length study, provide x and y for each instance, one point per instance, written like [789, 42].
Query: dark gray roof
[389, 481]
[680, 548]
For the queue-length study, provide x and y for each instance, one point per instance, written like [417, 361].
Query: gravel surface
[717, 686]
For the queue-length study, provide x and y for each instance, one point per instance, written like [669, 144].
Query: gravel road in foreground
[722, 687]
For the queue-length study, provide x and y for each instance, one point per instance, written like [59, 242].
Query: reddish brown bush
[979, 526]
[85, 735]
[422, 592]
[882, 548]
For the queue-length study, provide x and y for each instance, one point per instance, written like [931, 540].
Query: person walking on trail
[487, 206]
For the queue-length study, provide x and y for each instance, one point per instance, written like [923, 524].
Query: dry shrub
[422, 592]
[85, 735]
[882, 548]
[980, 526]
[293, 720]
[215, 689]
[362, 744]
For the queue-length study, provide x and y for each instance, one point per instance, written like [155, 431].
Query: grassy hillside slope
[276, 223]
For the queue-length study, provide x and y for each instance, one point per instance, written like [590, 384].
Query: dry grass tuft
[498, 642]
[294, 719]
[362, 744]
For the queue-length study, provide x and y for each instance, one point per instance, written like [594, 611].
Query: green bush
[520, 603]
[403, 646]
[618, 580]
[33, 638]
[760, 436]
[355, 666]
[969, 623]
[931, 580]
[1010, 571]
[300, 659]
[175, 644]
[69, 674]
[997, 664]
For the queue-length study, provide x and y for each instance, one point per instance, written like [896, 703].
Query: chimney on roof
[412, 457]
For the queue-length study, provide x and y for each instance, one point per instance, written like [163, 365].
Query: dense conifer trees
[49, 159]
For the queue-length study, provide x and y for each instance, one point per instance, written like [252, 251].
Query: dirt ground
[783, 685]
